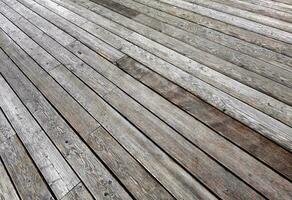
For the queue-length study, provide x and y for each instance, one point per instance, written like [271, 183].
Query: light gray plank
[272, 4]
[234, 107]
[137, 148]
[173, 116]
[269, 21]
[7, 190]
[197, 31]
[103, 48]
[248, 36]
[233, 20]
[24, 174]
[137, 180]
[258, 9]
[78, 193]
[258, 100]
[54, 168]
[80, 158]
[244, 76]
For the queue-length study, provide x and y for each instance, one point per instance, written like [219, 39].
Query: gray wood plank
[196, 30]
[271, 4]
[126, 168]
[234, 31]
[79, 192]
[24, 174]
[173, 116]
[136, 113]
[254, 143]
[114, 95]
[247, 115]
[233, 20]
[137, 179]
[244, 76]
[137, 147]
[258, 9]
[7, 190]
[251, 62]
[80, 158]
[258, 100]
[52, 165]
[269, 21]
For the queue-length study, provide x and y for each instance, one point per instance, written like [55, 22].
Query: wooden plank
[253, 80]
[137, 179]
[258, 9]
[165, 20]
[78, 193]
[251, 62]
[177, 119]
[245, 114]
[80, 158]
[138, 115]
[114, 95]
[52, 165]
[233, 20]
[162, 170]
[7, 190]
[182, 186]
[258, 100]
[103, 48]
[269, 21]
[257, 145]
[23, 173]
[234, 31]
[272, 4]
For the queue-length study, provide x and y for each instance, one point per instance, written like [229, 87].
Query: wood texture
[7, 190]
[25, 176]
[137, 180]
[241, 109]
[118, 94]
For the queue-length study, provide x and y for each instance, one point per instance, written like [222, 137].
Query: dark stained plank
[25, 176]
[257, 145]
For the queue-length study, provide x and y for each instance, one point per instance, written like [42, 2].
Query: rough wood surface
[24, 174]
[137, 180]
[118, 95]
[235, 108]
[7, 190]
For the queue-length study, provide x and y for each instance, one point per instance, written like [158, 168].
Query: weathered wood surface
[233, 106]
[236, 32]
[28, 182]
[127, 169]
[109, 88]
[246, 138]
[7, 190]
[165, 19]
[258, 9]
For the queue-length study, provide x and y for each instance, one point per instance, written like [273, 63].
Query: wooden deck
[145, 99]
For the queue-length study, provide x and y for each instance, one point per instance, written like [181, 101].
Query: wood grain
[24, 174]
